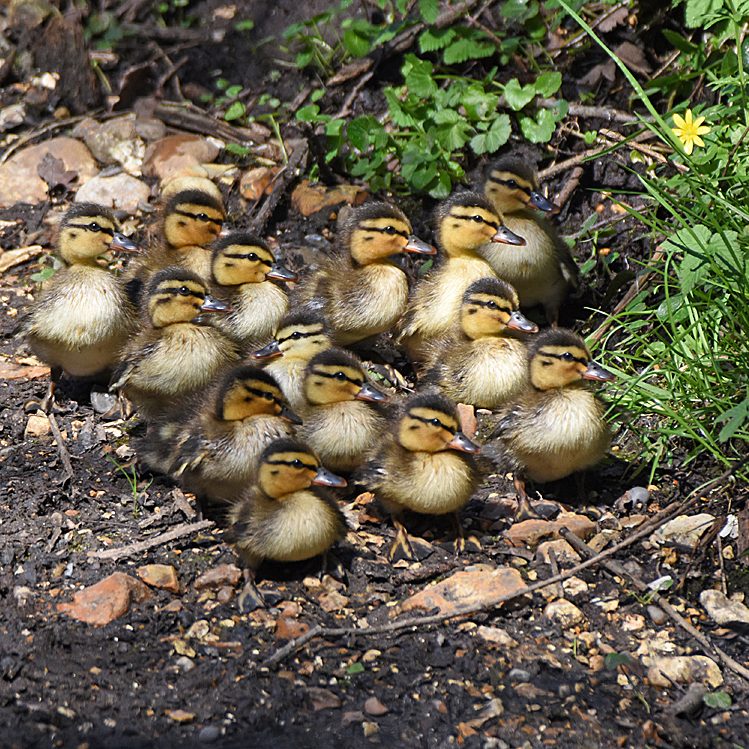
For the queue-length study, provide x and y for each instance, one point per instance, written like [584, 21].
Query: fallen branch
[61, 446]
[675, 508]
[617, 569]
[179, 531]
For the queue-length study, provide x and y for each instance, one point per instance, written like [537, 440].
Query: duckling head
[301, 334]
[467, 220]
[240, 258]
[490, 306]
[336, 375]
[376, 231]
[559, 358]
[512, 184]
[247, 391]
[287, 466]
[176, 295]
[87, 231]
[430, 424]
[193, 218]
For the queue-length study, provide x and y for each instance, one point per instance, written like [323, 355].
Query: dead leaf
[617, 18]
[633, 57]
[10, 258]
[9, 370]
[309, 199]
[52, 171]
[605, 70]
[323, 699]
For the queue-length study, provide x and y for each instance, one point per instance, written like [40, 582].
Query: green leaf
[452, 137]
[718, 700]
[540, 128]
[309, 113]
[42, 275]
[364, 132]
[398, 115]
[734, 419]
[519, 10]
[548, 83]
[692, 243]
[702, 13]
[235, 111]
[236, 149]
[355, 668]
[518, 96]
[419, 77]
[679, 42]
[246, 25]
[430, 40]
[446, 117]
[477, 103]
[443, 188]
[429, 10]
[612, 661]
[494, 138]
[233, 91]
[463, 50]
[356, 42]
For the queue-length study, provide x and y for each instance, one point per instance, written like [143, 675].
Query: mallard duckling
[341, 422]
[543, 272]
[464, 222]
[178, 351]
[361, 291]
[481, 364]
[245, 269]
[285, 517]
[213, 446]
[300, 335]
[556, 427]
[426, 466]
[83, 318]
[192, 220]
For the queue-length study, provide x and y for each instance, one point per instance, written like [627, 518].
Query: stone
[574, 586]
[563, 552]
[225, 594]
[209, 734]
[257, 182]
[475, 585]
[496, 636]
[114, 141]
[289, 629]
[563, 612]
[180, 716]
[372, 706]
[519, 675]
[530, 532]
[218, 577]
[168, 155]
[723, 610]
[657, 616]
[583, 527]
[684, 530]
[37, 427]
[309, 199]
[665, 671]
[185, 664]
[323, 699]
[632, 622]
[106, 600]
[12, 116]
[20, 181]
[162, 576]
[333, 601]
[121, 192]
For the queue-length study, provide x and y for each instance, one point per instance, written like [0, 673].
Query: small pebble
[185, 664]
[209, 734]
[658, 616]
[519, 675]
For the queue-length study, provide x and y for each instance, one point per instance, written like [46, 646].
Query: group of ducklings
[251, 401]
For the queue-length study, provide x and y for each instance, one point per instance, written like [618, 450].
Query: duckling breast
[257, 310]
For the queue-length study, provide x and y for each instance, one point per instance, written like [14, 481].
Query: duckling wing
[130, 364]
[567, 264]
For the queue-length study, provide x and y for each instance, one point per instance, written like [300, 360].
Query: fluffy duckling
[214, 447]
[192, 220]
[464, 222]
[244, 266]
[300, 336]
[426, 466]
[556, 426]
[178, 351]
[285, 517]
[481, 363]
[361, 291]
[341, 421]
[543, 272]
[83, 318]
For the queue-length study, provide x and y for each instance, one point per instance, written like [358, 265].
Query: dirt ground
[186, 668]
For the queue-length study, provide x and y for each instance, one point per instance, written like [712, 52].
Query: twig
[345, 109]
[576, 160]
[61, 447]
[675, 508]
[185, 529]
[284, 177]
[569, 186]
[594, 112]
[617, 569]
[642, 148]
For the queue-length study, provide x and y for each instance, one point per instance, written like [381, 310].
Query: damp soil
[64, 683]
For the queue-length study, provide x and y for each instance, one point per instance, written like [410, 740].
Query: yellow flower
[688, 130]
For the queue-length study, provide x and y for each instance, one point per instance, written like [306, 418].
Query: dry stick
[596, 113]
[574, 161]
[61, 447]
[569, 186]
[617, 569]
[185, 529]
[675, 508]
[345, 109]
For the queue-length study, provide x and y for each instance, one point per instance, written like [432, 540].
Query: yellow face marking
[192, 224]
[251, 397]
[283, 473]
[86, 237]
[237, 264]
[175, 301]
[468, 227]
[378, 238]
[331, 383]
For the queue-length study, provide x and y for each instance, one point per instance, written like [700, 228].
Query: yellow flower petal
[703, 130]
[698, 121]
[679, 121]
[688, 147]
[697, 141]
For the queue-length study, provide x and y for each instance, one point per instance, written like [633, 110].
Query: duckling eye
[252, 256]
[296, 336]
[94, 226]
[296, 463]
[202, 217]
[477, 219]
[567, 356]
[340, 375]
[435, 422]
[390, 230]
[511, 183]
[184, 291]
[492, 305]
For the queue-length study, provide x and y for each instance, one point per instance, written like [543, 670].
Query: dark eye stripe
[299, 334]
[291, 463]
[579, 359]
[480, 303]
[175, 292]
[334, 376]
[187, 214]
[516, 186]
[425, 420]
[384, 230]
[474, 217]
[261, 393]
[87, 227]
[246, 256]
